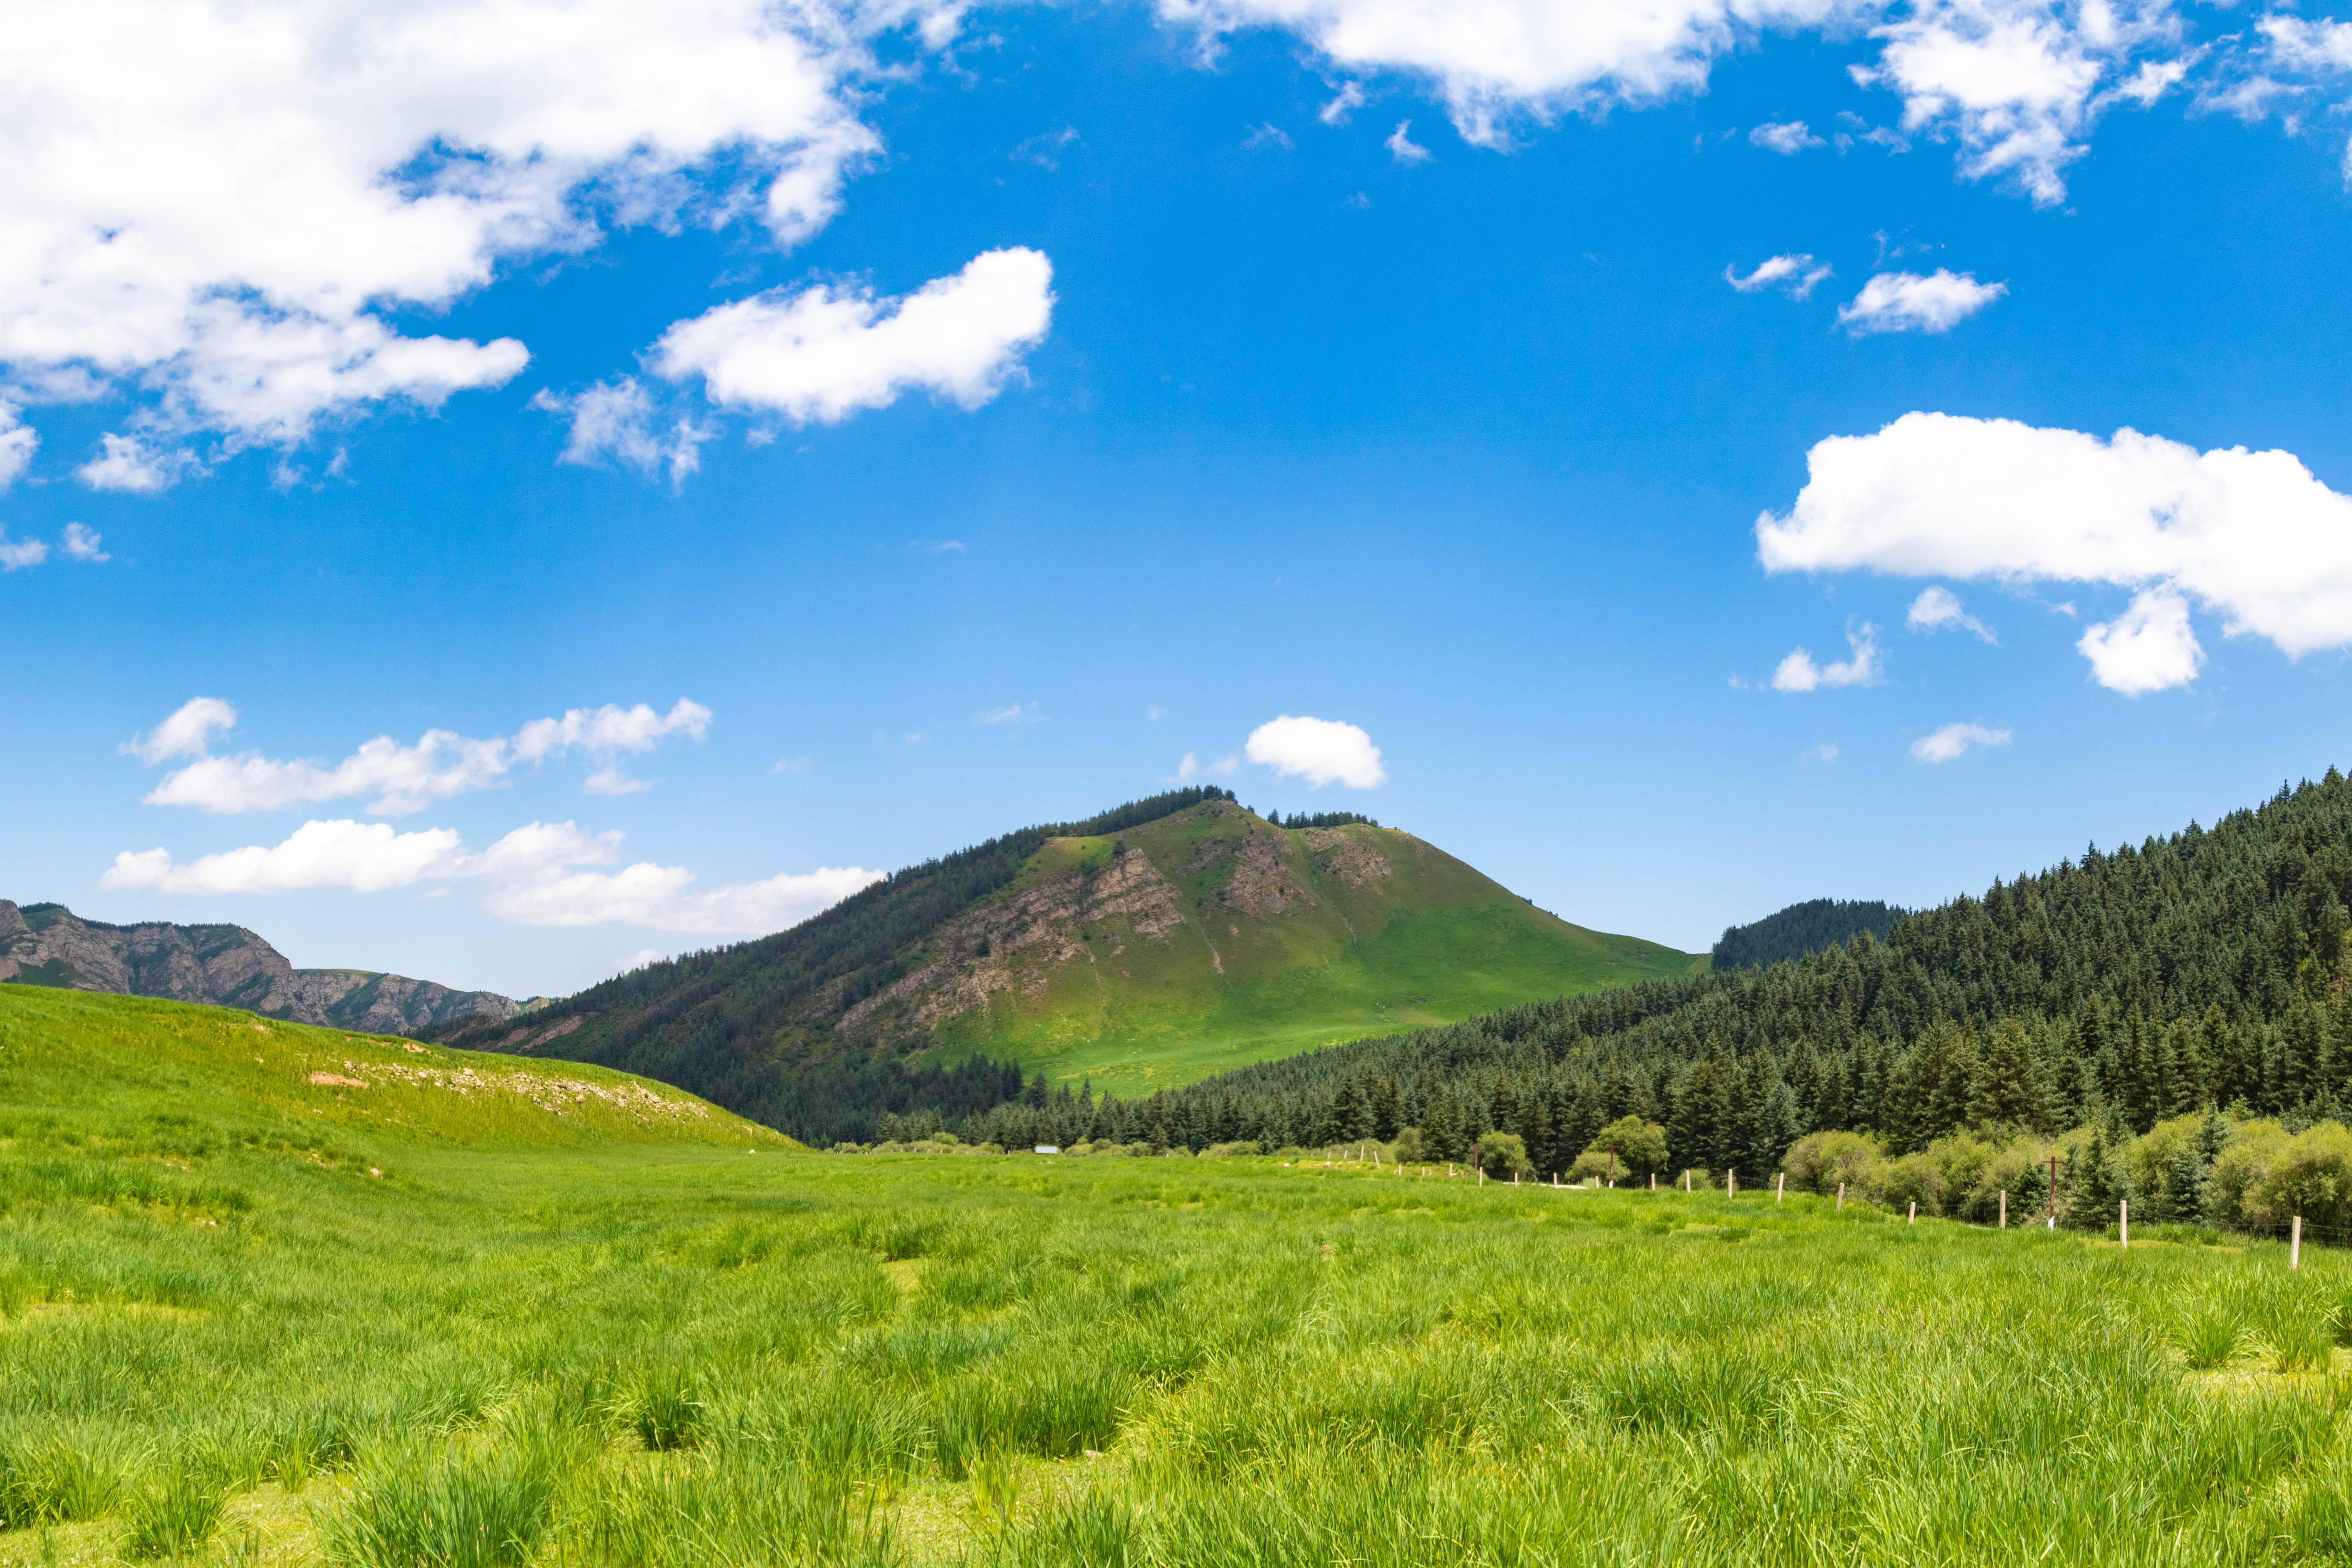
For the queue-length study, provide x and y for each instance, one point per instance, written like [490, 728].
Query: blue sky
[1069, 391]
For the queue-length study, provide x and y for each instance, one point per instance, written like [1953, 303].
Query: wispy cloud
[1950, 742]
[1795, 275]
[1798, 672]
[1403, 148]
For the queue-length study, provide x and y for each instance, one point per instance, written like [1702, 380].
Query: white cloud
[2297, 43]
[611, 727]
[1944, 744]
[823, 353]
[2150, 648]
[617, 420]
[186, 733]
[1788, 138]
[1403, 148]
[1345, 102]
[529, 878]
[1938, 609]
[18, 553]
[2019, 82]
[82, 543]
[1267, 135]
[1798, 672]
[1908, 302]
[1797, 275]
[1320, 751]
[17, 443]
[217, 206]
[134, 467]
[2253, 537]
[1192, 768]
[1045, 150]
[402, 779]
[1013, 713]
[365, 857]
[1492, 60]
[613, 781]
[1827, 751]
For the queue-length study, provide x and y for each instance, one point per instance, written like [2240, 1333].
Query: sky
[501, 489]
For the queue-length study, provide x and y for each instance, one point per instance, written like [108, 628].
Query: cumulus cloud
[365, 857]
[2150, 648]
[821, 353]
[2017, 84]
[1492, 60]
[135, 468]
[1939, 609]
[1948, 743]
[2020, 83]
[1403, 148]
[2252, 537]
[1786, 138]
[617, 421]
[15, 554]
[530, 877]
[402, 779]
[1908, 302]
[1798, 672]
[82, 543]
[1320, 751]
[218, 207]
[186, 733]
[1795, 275]
[19, 441]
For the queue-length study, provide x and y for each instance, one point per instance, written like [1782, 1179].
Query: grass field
[563, 1336]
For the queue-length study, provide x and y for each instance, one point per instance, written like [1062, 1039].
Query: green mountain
[1148, 947]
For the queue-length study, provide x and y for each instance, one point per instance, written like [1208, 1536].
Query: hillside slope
[48, 945]
[1148, 946]
[73, 1053]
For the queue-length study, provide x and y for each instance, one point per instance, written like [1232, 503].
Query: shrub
[1823, 1162]
[2241, 1164]
[2310, 1175]
[1408, 1146]
[1504, 1154]
[1915, 1178]
[1640, 1147]
[1222, 1151]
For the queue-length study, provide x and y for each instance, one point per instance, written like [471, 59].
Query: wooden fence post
[1914, 1210]
[2123, 1225]
[1840, 1208]
[1780, 1187]
[2004, 1209]
[2294, 1247]
[1730, 1182]
[1654, 1181]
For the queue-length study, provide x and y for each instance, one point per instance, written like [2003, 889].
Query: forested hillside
[1800, 929]
[2207, 968]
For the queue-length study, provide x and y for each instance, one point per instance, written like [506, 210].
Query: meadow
[252, 1318]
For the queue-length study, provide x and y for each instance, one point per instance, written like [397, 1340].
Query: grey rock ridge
[48, 945]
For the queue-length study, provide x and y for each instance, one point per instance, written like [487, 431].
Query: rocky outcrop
[227, 965]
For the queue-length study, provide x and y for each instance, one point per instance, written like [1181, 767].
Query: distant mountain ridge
[228, 965]
[1148, 946]
[1813, 926]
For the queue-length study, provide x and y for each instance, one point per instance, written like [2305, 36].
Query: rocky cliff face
[229, 966]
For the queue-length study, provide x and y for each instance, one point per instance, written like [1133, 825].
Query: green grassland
[574, 1339]
[1391, 934]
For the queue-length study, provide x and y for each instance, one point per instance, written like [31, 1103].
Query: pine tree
[2008, 1089]
[1387, 1112]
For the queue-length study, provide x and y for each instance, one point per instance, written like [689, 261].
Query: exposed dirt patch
[1263, 882]
[1354, 858]
[337, 1080]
